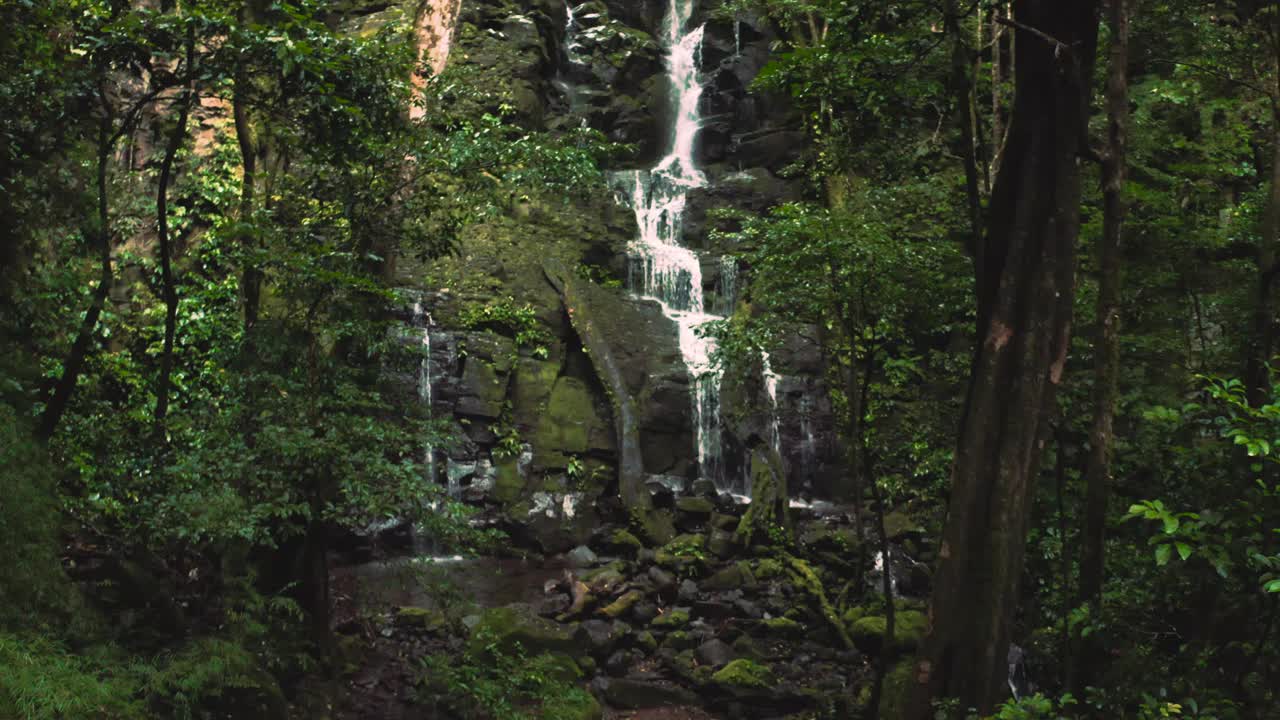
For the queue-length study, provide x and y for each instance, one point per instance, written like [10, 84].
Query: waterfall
[659, 267]
[423, 319]
[729, 283]
[808, 443]
[771, 387]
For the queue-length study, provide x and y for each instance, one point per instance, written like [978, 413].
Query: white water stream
[661, 268]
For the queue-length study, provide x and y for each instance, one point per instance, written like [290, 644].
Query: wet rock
[581, 557]
[732, 577]
[720, 543]
[703, 487]
[688, 591]
[644, 612]
[620, 662]
[715, 653]
[600, 636]
[636, 694]
[662, 580]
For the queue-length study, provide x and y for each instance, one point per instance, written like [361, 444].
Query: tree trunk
[60, 397]
[1106, 373]
[1262, 345]
[1025, 288]
[176, 139]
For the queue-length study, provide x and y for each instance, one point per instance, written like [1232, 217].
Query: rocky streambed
[699, 626]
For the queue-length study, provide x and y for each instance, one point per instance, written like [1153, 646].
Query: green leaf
[1171, 524]
[1184, 550]
[1163, 553]
[1273, 586]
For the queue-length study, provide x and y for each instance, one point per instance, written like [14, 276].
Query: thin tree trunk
[962, 89]
[887, 650]
[60, 397]
[176, 139]
[1106, 374]
[1025, 288]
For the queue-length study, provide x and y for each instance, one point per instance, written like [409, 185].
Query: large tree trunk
[1106, 373]
[1025, 287]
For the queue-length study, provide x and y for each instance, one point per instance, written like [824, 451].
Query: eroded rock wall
[533, 422]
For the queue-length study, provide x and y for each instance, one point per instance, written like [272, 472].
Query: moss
[672, 619]
[567, 427]
[421, 619]
[509, 483]
[768, 569]
[624, 541]
[782, 627]
[732, 577]
[893, 695]
[646, 641]
[744, 673]
[616, 608]
[573, 706]
[909, 627]
[506, 627]
[768, 508]
[806, 579]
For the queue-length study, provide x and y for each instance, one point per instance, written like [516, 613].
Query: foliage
[492, 684]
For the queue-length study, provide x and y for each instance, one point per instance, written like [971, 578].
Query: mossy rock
[513, 625]
[656, 527]
[696, 506]
[573, 706]
[534, 380]
[679, 640]
[623, 541]
[509, 482]
[683, 553]
[670, 620]
[909, 627]
[733, 577]
[783, 627]
[424, 619]
[744, 673]
[619, 607]
[898, 524]
[768, 569]
[569, 425]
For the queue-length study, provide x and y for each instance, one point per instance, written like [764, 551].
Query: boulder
[637, 694]
[512, 625]
[909, 627]
[715, 653]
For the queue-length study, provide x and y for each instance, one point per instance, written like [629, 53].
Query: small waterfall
[729, 283]
[423, 319]
[660, 268]
[771, 387]
[808, 443]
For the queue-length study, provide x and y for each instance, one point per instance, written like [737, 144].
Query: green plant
[505, 314]
[509, 444]
[489, 683]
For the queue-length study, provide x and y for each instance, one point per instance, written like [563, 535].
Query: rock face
[531, 423]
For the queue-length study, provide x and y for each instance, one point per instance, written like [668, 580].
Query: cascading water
[771, 387]
[660, 268]
[423, 320]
